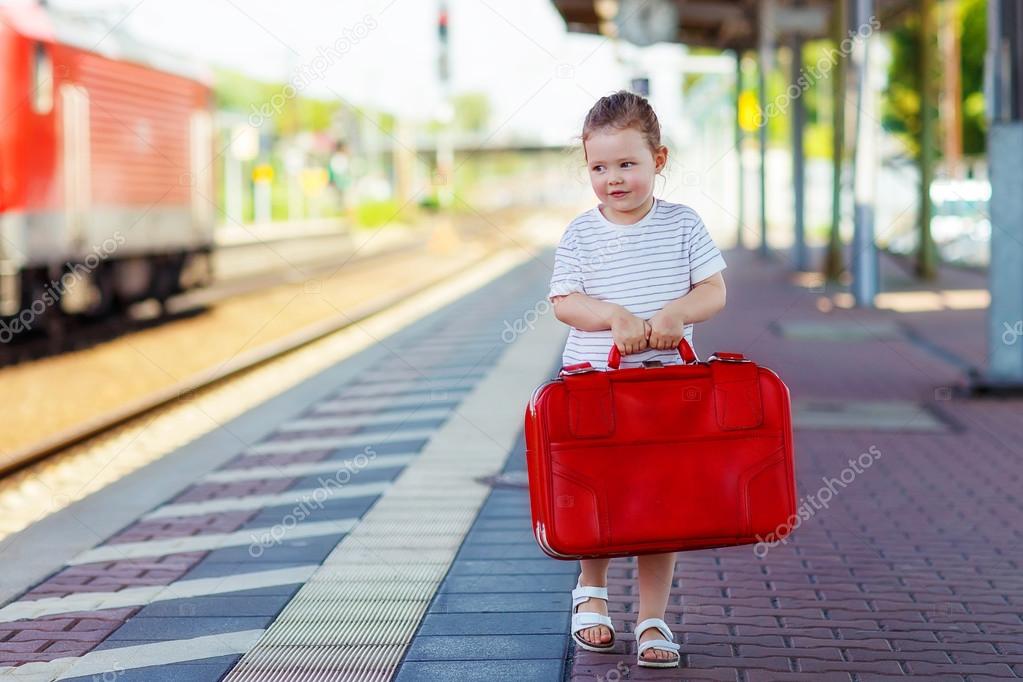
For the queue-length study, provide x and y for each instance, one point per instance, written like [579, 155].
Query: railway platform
[372, 522]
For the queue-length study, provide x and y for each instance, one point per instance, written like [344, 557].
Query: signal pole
[445, 144]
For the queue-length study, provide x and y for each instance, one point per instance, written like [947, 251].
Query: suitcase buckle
[578, 368]
[721, 356]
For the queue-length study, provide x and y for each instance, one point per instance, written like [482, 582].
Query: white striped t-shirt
[641, 267]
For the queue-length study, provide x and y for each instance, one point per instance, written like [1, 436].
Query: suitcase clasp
[653, 363]
[578, 368]
[722, 356]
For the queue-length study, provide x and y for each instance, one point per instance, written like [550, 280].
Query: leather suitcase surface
[662, 458]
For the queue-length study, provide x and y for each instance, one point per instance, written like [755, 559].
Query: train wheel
[166, 277]
[104, 281]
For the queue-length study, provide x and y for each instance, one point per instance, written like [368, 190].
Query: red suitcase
[660, 458]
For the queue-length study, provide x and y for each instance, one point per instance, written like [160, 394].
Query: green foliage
[472, 111]
[972, 46]
[378, 213]
[900, 110]
[816, 98]
[289, 111]
[901, 107]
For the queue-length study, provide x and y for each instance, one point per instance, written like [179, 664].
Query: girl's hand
[666, 330]
[629, 332]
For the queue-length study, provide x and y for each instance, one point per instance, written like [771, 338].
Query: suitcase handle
[685, 351]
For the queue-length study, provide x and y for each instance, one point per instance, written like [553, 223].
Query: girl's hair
[622, 110]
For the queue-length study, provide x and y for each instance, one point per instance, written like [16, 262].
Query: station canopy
[721, 24]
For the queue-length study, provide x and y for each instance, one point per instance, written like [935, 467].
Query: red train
[106, 177]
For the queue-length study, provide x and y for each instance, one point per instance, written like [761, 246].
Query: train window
[42, 80]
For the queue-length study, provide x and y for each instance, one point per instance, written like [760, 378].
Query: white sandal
[586, 619]
[667, 644]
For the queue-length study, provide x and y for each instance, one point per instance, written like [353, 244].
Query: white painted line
[112, 663]
[316, 423]
[402, 387]
[307, 469]
[211, 541]
[436, 499]
[429, 374]
[140, 596]
[355, 406]
[305, 496]
[288, 447]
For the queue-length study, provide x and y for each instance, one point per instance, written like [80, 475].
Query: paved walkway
[912, 567]
[310, 545]
[909, 566]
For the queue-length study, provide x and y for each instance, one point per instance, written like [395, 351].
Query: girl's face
[622, 169]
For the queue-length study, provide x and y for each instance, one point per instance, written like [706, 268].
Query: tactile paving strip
[341, 627]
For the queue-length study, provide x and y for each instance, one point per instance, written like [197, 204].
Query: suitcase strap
[590, 407]
[738, 403]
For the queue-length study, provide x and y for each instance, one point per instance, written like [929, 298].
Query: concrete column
[1004, 95]
[1005, 274]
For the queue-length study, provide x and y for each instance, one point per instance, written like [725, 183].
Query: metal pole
[798, 159]
[1005, 147]
[951, 101]
[864, 256]
[739, 236]
[766, 47]
[926, 263]
[834, 262]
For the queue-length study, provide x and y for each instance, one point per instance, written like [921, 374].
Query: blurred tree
[472, 112]
[234, 91]
[815, 93]
[973, 45]
[901, 108]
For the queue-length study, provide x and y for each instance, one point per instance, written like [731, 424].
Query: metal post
[951, 102]
[926, 259]
[834, 262]
[767, 31]
[741, 227]
[864, 256]
[1004, 373]
[799, 254]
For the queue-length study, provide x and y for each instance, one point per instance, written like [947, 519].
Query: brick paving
[45, 638]
[51, 637]
[912, 569]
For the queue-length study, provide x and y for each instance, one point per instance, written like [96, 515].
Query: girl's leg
[655, 575]
[594, 574]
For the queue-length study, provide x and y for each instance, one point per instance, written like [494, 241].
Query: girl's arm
[629, 332]
[586, 313]
[705, 299]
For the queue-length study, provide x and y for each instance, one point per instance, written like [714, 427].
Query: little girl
[635, 271]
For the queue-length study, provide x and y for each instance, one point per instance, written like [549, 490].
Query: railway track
[79, 332]
[21, 458]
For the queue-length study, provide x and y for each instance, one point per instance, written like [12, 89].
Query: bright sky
[540, 79]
